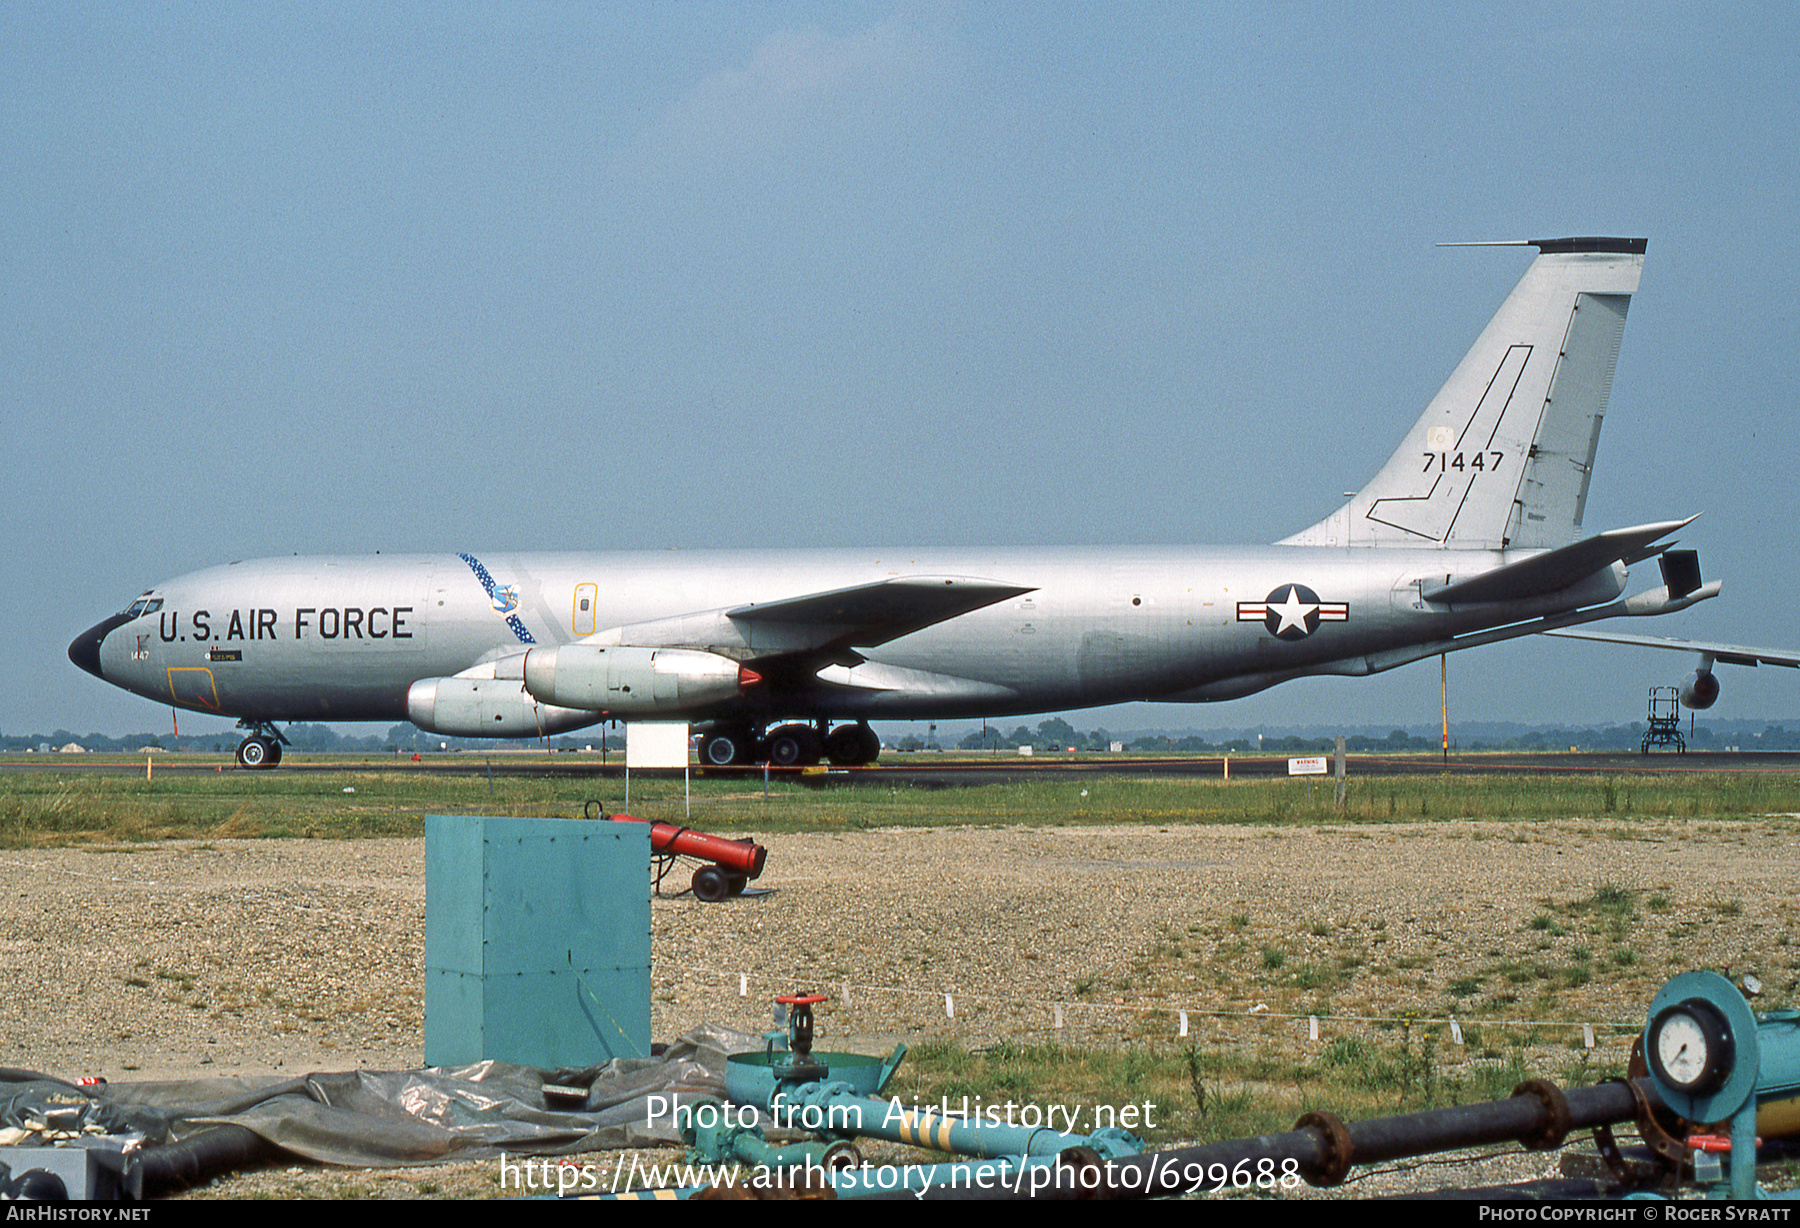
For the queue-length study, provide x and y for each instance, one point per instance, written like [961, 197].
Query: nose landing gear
[262, 748]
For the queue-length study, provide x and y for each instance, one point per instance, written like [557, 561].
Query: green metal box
[537, 940]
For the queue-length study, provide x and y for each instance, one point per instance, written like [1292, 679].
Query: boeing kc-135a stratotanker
[1468, 535]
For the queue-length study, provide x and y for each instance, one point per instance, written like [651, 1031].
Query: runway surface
[928, 770]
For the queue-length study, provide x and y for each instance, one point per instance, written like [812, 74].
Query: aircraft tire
[711, 884]
[784, 747]
[257, 752]
[842, 747]
[795, 746]
[724, 747]
[853, 745]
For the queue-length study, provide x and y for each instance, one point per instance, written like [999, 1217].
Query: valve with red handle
[800, 1064]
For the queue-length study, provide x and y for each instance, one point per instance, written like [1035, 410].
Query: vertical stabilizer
[1502, 455]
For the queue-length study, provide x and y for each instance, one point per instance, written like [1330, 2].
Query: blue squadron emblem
[1293, 612]
[503, 597]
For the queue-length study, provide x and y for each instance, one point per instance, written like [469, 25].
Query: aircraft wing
[1731, 654]
[869, 614]
[810, 630]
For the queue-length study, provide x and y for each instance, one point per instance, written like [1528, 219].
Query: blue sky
[305, 279]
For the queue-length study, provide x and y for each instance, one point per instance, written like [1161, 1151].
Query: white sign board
[1315, 765]
[656, 744]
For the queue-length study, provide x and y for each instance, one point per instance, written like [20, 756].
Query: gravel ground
[245, 957]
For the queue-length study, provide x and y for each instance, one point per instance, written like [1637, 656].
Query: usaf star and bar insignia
[1293, 612]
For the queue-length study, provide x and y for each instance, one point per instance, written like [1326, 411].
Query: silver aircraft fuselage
[344, 638]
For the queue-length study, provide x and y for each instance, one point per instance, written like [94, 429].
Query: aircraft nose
[84, 650]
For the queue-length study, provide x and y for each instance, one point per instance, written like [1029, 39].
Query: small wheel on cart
[711, 884]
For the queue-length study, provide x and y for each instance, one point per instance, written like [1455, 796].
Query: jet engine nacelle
[633, 681]
[1700, 689]
[487, 708]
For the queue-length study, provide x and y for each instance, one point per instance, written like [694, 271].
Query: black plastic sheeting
[387, 1119]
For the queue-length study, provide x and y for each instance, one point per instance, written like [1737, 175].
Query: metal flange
[1556, 1108]
[1335, 1142]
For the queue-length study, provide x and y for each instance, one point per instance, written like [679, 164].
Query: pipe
[1321, 1149]
[199, 1157]
[719, 1143]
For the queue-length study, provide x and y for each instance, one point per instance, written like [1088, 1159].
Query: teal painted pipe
[717, 1141]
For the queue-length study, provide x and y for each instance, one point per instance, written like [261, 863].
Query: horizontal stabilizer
[1557, 569]
[1730, 654]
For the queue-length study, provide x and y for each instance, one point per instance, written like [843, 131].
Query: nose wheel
[261, 749]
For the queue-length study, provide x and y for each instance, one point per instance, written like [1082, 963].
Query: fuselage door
[581, 619]
[192, 686]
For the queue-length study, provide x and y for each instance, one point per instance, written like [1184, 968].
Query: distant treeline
[1056, 734]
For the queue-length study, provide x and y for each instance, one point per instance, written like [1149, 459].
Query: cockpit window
[136, 608]
[143, 606]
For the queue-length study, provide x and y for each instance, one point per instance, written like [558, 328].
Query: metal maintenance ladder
[1665, 720]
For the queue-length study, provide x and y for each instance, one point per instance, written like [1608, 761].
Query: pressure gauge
[1691, 1047]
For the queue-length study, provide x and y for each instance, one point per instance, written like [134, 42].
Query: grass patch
[41, 808]
[1610, 910]
[1166, 1093]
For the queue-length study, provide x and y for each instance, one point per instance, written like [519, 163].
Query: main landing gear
[792, 745]
[262, 748]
